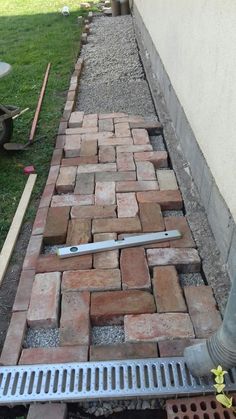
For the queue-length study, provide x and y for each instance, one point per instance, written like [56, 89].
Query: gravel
[41, 338]
[108, 335]
[195, 279]
[173, 213]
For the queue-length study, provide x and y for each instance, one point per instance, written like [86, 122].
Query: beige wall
[196, 40]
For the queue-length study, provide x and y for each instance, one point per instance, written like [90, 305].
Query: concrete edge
[218, 214]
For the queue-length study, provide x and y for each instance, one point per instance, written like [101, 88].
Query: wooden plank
[15, 226]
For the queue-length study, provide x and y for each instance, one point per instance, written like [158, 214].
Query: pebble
[41, 338]
[107, 335]
[195, 279]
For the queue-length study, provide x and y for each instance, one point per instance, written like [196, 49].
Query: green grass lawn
[33, 33]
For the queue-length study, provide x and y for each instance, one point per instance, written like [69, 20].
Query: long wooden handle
[36, 115]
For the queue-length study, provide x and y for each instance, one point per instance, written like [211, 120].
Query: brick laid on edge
[24, 289]
[66, 179]
[14, 339]
[32, 252]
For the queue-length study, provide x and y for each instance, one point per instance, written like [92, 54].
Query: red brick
[148, 125]
[75, 322]
[168, 200]
[170, 348]
[133, 148]
[56, 225]
[52, 175]
[112, 115]
[185, 260]
[47, 410]
[56, 156]
[115, 141]
[84, 184]
[181, 224]
[107, 154]
[134, 269]
[136, 186]
[24, 289]
[111, 306]
[91, 280]
[115, 176]
[93, 211]
[52, 263]
[79, 232]
[72, 200]
[56, 355]
[140, 136]
[89, 130]
[45, 299]
[108, 259]
[72, 145]
[157, 327]
[145, 170]
[205, 317]
[76, 119]
[40, 221]
[105, 193]
[14, 339]
[32, 252]
[151, 217]
[116, 225]
[47, 196]
[102, 167]
[76, 161]
[167, 180]
[98, 136]
[88, 148]
[167, 290]
[129, 119]
[127, 205]
[122, 129]
[125, 162]
[157, 158]
[123, 351]
[106, 125]
[60, 142]
[66, 179]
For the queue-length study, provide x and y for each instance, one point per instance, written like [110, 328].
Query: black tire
[6, 129]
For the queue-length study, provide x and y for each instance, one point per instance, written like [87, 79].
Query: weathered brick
[56, 157]
[106, 124]
[75, 322]
[62, 128]
[151, 217]
[115, 141]
[97, 136]
[66, 179]
[14, 339]
[125, 162]
[40, 221]
[123, 351]
[56, 355]
[140, 136]
[52, 175]
[24, 289]
[91, 280]
[88, 148]
[89, 122]
[45, 299]
[116, 225]
[105, 193]
[108, 259]
[47, 196]
[181, 224]
[72, 200]
[76, 161]
[168, 200]
[126, 204]
[69, 105]
[52, 263]
[134, 269]
[167, 180]
[32, 252]
[185, 260]
[205, 317]
[176, 347]
[129, 119]
[157, 327]
[60, 141]
[111, 306]
[112, 115]
[102, 167]
[167, 290]
[47, 410]
[157, 158]
[76, 119]
[133, 148]
[79, 232]
[71, 95]
[145, 170]
[122, 129]
[56, 225]
[152, 126]
[115, 176]
[72, 145]
[136, 186]
[81, 130]
[107, 154]
[84, 184]
[94, 211]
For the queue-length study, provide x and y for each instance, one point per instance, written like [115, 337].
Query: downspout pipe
[220, 348]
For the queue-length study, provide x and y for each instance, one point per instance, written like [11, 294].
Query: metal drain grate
[102, 380]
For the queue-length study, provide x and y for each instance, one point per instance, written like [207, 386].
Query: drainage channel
[159, 377]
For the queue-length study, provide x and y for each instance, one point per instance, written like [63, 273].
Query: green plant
[219, 385]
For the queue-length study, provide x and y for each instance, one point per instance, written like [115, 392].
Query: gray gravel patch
[41, 338]
[187, 280]
[107, 335]
[51, 250]
[157, 143]
[173, 213]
